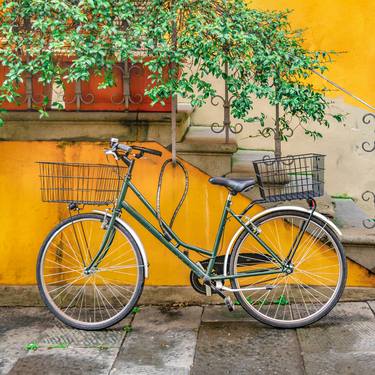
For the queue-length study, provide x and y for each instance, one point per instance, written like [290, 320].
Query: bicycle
[286, 265]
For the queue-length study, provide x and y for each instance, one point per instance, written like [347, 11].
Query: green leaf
[136, 310]
[33, 346]
[128, 328]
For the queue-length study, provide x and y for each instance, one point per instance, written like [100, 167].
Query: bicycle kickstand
[227, 300]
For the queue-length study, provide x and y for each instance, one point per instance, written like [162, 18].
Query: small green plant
[282, 300]
[136, 310]
[103, 347]
[32, 346]
[341, 196]
[128, 328]
[263, 302]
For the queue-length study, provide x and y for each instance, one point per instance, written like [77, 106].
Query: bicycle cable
[158, 193]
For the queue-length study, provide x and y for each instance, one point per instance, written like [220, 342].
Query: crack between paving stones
[121, 344]
[196, 341]
[301, 352]
[373, 311]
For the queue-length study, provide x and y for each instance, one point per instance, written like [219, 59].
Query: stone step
[207, 150]
[358, 241]
[213, 159]
[359, 244]
[205, 135]
[348, 214]
[242, 161]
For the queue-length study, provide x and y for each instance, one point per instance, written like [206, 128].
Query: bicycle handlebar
[147, 150]
[115, 145]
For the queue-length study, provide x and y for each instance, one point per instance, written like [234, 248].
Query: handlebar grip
[124, 147]
[147, 150]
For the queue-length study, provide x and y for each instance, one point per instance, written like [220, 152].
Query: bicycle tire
[46, 295]
[249, 304]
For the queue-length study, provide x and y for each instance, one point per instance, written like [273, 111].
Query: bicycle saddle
[236, 185]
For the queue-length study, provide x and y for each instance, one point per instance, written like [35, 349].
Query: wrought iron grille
[368, 146]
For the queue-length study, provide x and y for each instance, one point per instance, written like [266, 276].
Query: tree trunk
[277, 137]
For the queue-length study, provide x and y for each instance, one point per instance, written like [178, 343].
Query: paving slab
[72, 361]
[339, 343]
[162, 341]
[19, 327]
[220, 313]
[62, 334]
[332, 363]
[246, 348]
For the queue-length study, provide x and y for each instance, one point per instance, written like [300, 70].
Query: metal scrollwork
[367, 118]
[30, 98]
[367, 147]
[226, 126]
[79, 98]
[127, 98]
[285, 160]
[268, 131]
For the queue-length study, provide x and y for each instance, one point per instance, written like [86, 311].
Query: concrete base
[28, 295]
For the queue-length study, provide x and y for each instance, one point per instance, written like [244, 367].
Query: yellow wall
[25, 220]
[340, 25]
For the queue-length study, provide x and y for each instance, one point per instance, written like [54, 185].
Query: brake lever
[140, 154]
[111, 152]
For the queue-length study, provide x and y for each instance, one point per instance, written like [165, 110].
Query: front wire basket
[93, 184]
[290, 177]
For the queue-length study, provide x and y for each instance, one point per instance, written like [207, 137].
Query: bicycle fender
[134, 235]
[275, 209]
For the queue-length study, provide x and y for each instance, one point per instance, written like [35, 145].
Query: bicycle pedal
[229, 303]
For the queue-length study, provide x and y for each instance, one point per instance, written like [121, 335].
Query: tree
[194, 38]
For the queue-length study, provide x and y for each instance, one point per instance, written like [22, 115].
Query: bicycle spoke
[100, 294]
[306, 289]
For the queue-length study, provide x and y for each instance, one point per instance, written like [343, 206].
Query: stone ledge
[198, 148]
[359, 236]
[90, 116]
[91, 126]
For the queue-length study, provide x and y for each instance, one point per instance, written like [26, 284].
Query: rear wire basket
[93, 184]
[290, 177]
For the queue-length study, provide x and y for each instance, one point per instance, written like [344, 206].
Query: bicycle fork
[109, 236]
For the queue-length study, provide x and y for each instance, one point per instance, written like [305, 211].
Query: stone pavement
[189, 340]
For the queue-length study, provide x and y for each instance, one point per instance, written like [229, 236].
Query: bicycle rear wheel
[105, 296]
[317, 278]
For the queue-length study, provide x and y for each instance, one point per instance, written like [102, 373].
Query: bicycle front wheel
[101, 298]
[314, 282]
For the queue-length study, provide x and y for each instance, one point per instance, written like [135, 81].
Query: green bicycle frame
[207, 274]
